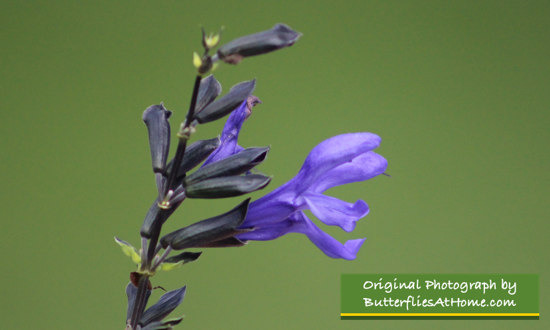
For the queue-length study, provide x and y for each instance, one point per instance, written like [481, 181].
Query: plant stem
[144, 283]
[183, 141]
[141, 297]
[178, 158]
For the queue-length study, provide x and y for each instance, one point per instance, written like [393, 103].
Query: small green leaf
[185, 256]
[129, 250]
[168, 266]
[178, 260]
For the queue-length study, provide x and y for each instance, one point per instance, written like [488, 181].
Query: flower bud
[278, 37]
[156, 119]
[227, 103]
[206, 231]
[209, 89]
[232, 165]
[195, 154]
[229, 186]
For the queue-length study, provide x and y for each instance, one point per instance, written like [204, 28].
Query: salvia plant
[226, 171]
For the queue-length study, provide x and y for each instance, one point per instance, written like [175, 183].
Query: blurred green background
[458, 91]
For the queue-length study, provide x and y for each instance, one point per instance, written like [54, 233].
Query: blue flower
[230, 133]
[339, 160]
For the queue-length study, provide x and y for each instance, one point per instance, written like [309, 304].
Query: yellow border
[440, 314]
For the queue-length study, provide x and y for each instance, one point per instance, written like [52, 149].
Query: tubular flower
[230, 133]
[228, 139]
[339, 160]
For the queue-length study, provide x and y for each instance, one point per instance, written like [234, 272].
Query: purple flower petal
[299, 223]
[334, 152]
[271, 231]
[271, 208]
[334, 212]
[326, 243]
[230, 134]
[360, 168]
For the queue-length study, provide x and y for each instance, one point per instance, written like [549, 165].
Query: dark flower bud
[228, 186]
[278, 37]
[166, 304]
[209, 230]
[209, 89]
[232, 165]
[195, 154]
[226, 103]
[156, 119]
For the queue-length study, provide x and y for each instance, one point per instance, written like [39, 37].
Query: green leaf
[129, 250]
[179, 260]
